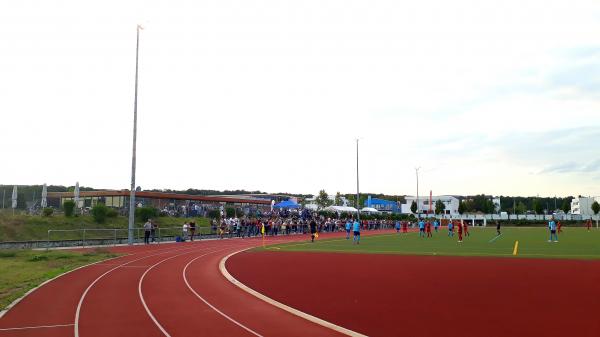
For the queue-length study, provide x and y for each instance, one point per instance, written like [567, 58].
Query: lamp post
[417, 173]
[357, 185]
[132, 191]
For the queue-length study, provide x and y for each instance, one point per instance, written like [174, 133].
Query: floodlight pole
[417, 172]
[357, 186]
[132, 192]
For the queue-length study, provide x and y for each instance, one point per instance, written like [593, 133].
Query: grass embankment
[573, 243]
[21, 227]
[23, 270]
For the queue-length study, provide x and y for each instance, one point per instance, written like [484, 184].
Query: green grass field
[573, 243]
[26, 269]
[21, 227]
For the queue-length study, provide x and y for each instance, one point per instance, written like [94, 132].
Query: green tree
[145, 213]
[596, 207]
[413, 207]
[439, 207]
[100, 213]
[230, 212]
[462, 207]
[323, 199]
[566, 206]
[69, 207]
[537, 206]
[520, 208]
[338, 199]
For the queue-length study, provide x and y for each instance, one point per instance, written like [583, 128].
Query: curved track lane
[157, 290]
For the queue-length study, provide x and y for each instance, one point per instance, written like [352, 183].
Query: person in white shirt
[185, 231]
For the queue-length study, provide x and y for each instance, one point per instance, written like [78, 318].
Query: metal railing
[116, 235]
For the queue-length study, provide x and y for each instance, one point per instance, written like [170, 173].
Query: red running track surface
[414, 296]
[147, 293]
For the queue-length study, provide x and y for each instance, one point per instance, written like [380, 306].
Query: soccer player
[405, 227]
[552, 228]
[451, 228]
[498, 227]
[559, 227]
[466, 229]
[397, 226]
[356, 229]
[348, 228]
[428, 229]
[588, 224]
[421, 228]
[459, 227]
[436, 224]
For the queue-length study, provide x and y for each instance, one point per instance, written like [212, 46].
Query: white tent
[44, 202]
[341, 209]
[369, 210]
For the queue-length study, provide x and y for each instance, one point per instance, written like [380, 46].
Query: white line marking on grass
[280, 305]
[36, 327]
[495, 238]
[212, 306]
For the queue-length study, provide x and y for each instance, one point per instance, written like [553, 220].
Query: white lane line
[36, 327]
[212, 306]
[495, 238]
[140, 293]
[280, 305]
[79, 305]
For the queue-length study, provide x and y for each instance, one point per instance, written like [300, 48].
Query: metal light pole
[357, 186]
[417, 172]
[132, 192]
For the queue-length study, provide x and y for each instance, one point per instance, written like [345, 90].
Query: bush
[69, 207]
[145, 213]
[47, 211]
[100, 212]
[112, 213]
[214, 214]
[229, 212]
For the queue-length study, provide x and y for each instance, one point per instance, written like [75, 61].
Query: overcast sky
[495, 97]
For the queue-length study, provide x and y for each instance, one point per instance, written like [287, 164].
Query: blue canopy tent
[286, 204]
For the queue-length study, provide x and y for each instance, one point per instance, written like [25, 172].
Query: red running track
[156, 290]
[415, 296]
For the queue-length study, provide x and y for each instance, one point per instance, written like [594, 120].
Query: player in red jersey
[460, 231]
[428, 228]
[588, 224]
[559, 227]
[466, 230]
[405, 227]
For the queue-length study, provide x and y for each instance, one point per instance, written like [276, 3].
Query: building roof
[161, 195]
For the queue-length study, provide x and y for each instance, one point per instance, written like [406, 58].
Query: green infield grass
[532, 242]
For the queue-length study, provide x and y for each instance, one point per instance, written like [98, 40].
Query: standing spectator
[154, 228]
[184, 232]
[313, 230]
[147, 230]
[192, 230]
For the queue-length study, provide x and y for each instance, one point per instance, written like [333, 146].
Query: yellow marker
[516, 248]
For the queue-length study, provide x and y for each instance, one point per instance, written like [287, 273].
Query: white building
[450, 202]
[583, 205]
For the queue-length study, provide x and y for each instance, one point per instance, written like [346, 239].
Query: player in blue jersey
[356, 229]
[436, 224]
[421, 228]
[348, 228]
[397, 226]
[451, 228]
[552, 228]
